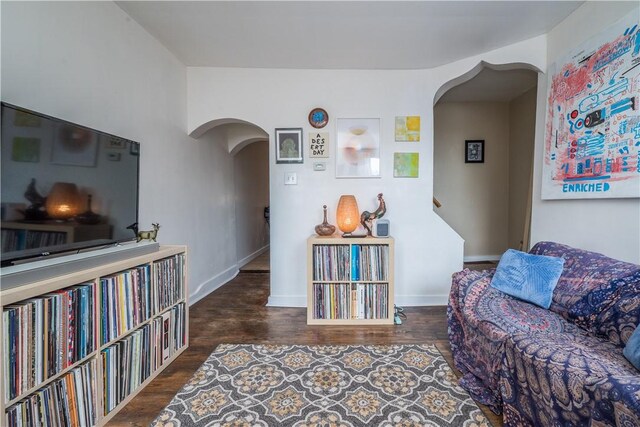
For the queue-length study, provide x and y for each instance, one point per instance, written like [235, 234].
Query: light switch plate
[320, 166]
[290, 178]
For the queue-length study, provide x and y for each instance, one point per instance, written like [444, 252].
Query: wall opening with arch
[243, 187]
[488, 203]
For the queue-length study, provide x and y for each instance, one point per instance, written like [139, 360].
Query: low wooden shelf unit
[350, 281]
[144, 298]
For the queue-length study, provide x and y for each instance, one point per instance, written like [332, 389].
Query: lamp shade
[63, 201]
[348, 215]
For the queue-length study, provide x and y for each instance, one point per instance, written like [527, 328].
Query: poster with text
[318, 144]
[592, 137]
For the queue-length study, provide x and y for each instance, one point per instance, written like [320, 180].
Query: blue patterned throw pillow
[632, 349]
[529, 277]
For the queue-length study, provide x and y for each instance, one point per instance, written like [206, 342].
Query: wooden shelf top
[337, 239]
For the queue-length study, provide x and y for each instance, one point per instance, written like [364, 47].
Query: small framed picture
[289, 145]
[116, 143]
[474, 151]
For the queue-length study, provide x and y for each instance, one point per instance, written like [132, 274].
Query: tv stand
[123, 323]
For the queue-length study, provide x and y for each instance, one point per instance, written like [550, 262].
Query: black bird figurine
[36, 210]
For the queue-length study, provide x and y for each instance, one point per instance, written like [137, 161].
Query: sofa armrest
[618, 401]
[568, 379]
[462, 281]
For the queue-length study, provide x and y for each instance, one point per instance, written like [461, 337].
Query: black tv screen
[65, 187]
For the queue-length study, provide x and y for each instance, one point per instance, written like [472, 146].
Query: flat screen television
[64, 187]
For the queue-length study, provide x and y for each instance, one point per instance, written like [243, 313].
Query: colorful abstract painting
[408, 128]
[592, 140]
[405, 165]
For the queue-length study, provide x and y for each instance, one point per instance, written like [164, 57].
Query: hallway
[258, 265]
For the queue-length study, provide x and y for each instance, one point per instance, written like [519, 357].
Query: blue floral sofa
[558, 367]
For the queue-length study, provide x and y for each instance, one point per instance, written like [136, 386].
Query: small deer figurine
[149, 235]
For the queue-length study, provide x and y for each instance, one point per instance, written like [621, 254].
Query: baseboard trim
[421, 300]
[401, 300]
[478, 258]
[246, 260]
[214, 283]
[287, 301]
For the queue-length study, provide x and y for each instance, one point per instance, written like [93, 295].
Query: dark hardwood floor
[236, 313]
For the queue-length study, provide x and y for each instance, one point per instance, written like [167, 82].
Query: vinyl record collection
[131, 297]
[126, 301]
[168, 272]
[66, 401]
[15, 240]
[355, 262]
[130, 361]
[357, 265]
[45, 335]
[71, 355]
[331, 262]
[369, 262]
[350, 301]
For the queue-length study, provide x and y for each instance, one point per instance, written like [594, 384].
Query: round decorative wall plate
[318, 118]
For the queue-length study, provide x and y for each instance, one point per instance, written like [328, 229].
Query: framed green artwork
[25, 149]
[405, 165]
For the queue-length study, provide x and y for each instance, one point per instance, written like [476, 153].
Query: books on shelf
[45, 335]
[67, 401]
[131, 360]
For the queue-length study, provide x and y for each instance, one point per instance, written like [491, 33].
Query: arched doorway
[251, 178]
[248, 148]
[486, 196]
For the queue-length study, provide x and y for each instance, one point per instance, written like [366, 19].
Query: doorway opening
[251, 178]
[484, 133]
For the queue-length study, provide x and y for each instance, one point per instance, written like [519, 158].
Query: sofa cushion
[529, 277]
[632, 349]
[583, 274]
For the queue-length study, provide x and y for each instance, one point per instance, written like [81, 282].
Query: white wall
[251, 170]
[474, 196]
[90, 63]
[609, 226]
[522, 125]
[427, 249]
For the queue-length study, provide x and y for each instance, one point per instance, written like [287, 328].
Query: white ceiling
[492, 85]
[341, 35]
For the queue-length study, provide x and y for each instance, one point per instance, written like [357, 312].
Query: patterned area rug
[288, 385]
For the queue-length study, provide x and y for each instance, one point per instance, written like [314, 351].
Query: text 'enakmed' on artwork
[592, 137]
